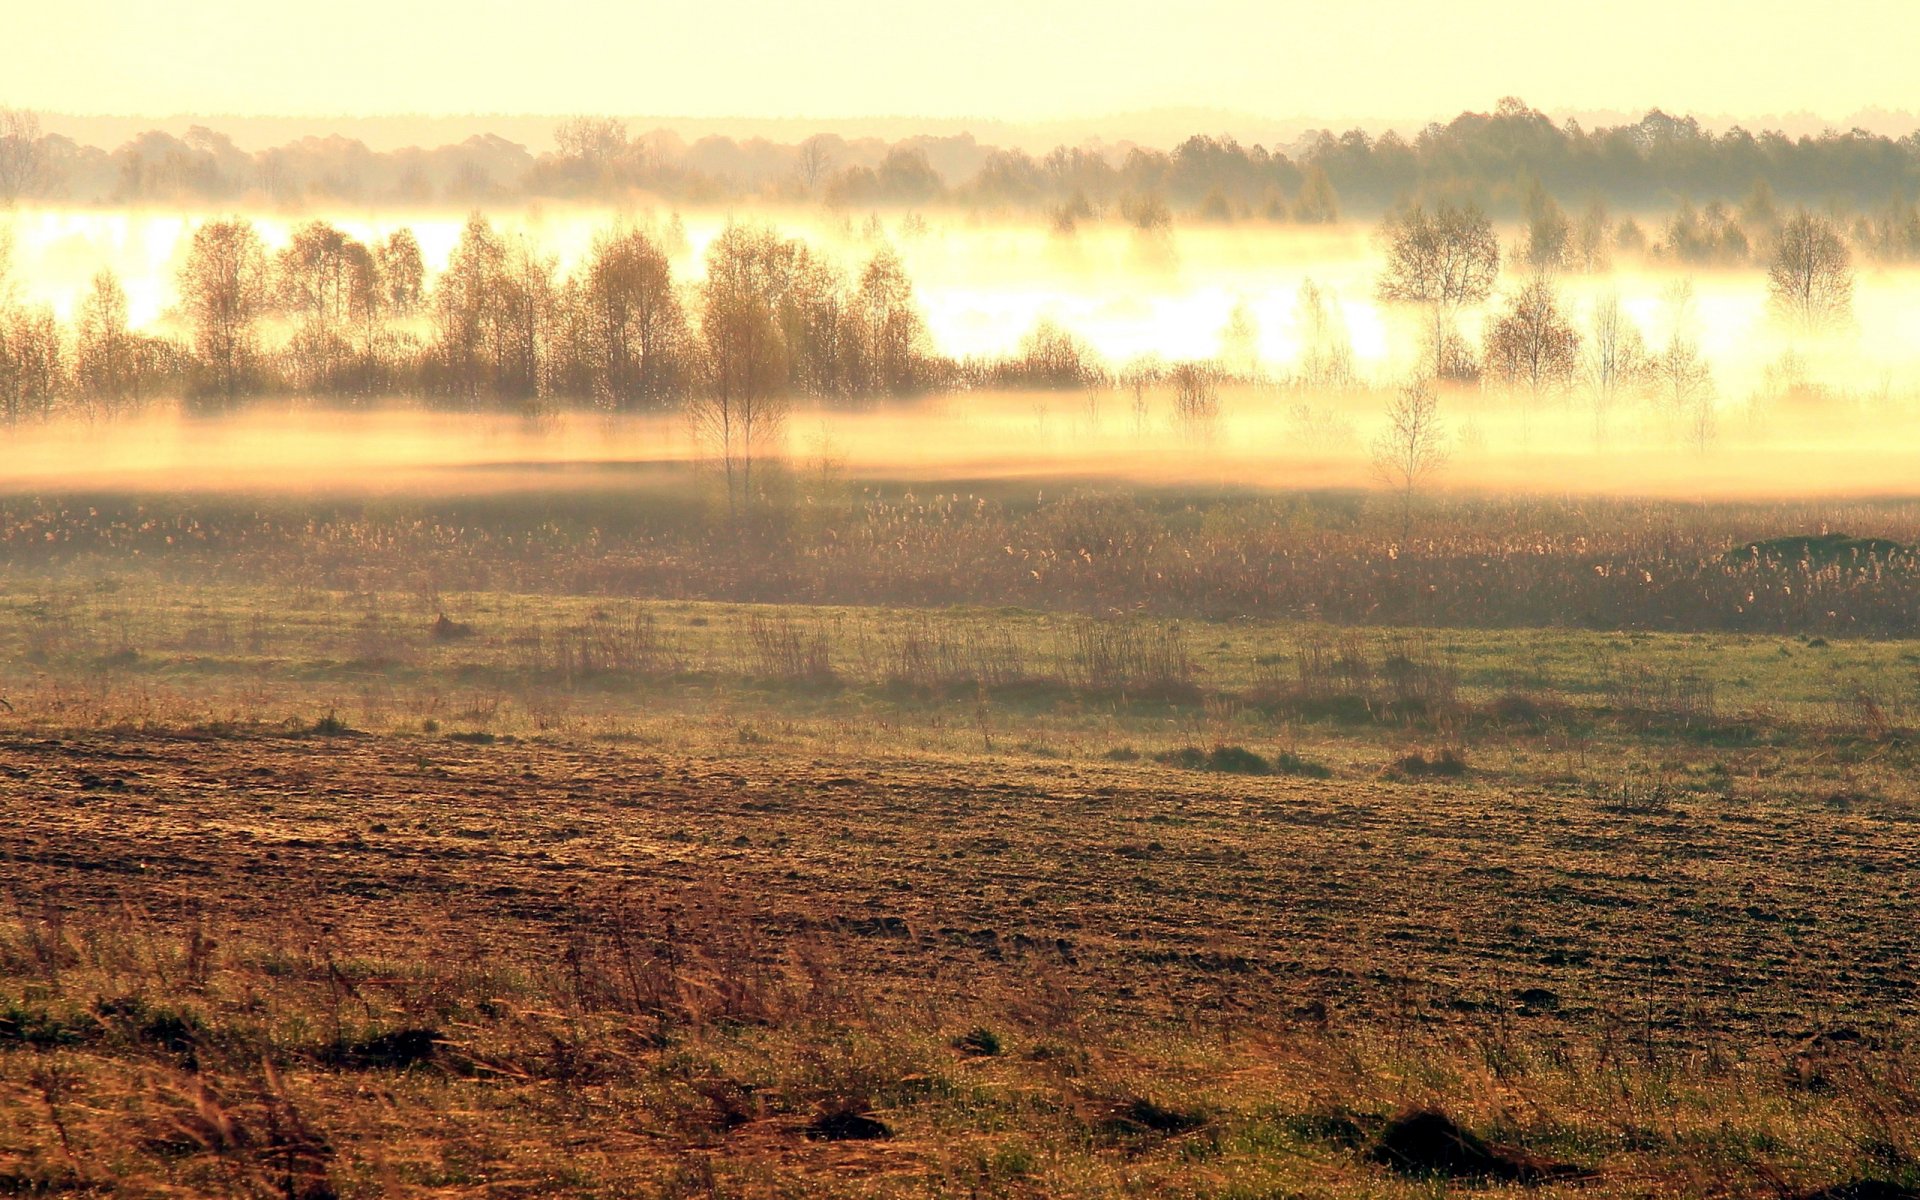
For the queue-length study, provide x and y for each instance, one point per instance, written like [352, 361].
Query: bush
[1446, 762]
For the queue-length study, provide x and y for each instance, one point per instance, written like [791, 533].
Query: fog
[983, 285]
[1262, 439]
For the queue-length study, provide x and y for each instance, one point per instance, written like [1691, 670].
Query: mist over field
[1245, 624]
[1791, 412]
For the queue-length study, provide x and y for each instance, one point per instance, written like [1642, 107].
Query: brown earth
[1149, 890]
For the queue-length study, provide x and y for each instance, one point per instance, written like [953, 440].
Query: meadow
[1034, 838]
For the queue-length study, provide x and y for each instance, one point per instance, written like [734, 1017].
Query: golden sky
[1008, 59]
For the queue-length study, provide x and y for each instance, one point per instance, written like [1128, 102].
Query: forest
[1494, 159]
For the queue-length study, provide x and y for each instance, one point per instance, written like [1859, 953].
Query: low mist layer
[1263, 439]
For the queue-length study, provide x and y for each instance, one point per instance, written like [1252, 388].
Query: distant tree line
[1503, 162]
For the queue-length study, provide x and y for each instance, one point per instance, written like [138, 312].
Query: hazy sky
[1012, 59]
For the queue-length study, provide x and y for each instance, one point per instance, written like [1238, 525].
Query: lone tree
[1810, 280]
[1412, 449]
[1445, 260]
[1533, 346]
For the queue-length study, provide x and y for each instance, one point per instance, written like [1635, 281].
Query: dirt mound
[846, 1125]
[1447, 764]
[446, 629]
[1427, 1142]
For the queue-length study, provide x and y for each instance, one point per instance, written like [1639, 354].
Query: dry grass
[373, 880]
[1474, 563]
[652, 974]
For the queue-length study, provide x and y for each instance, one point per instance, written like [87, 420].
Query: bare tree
[402, 274]
[1240, 342]
[1810, 277]
[1533, 346]
[1445, 260]
[224, 290]
[105, 364]
[321, 279]
[1592, 249]
[1317, 203]
[1549, 245]
[1326, 350]
[32, 361]
[1196, 399]
[465, 315]
[1678, 376]
[740, 407]
[1412, 449]
[1139, 377]
[597, 143]
[635, 329]
[816, 160]
[892, 333]
[1615, 361]
[23, 156]
[493, 308]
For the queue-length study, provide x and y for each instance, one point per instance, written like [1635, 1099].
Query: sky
[1017, 60]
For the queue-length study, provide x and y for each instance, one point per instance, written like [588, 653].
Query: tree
[816, 156]
[493, 310]
[740, 406]
[634, 329]
[893, 335]
[1532, 345]
[324, 280]
[1445, 260]
[465, 316]
[1317, 204]
[23, 155]
[1196, 399]
[402, 274]
[595, 141]
[1326, 351]
[1615, 360]
[224, 289]
[1240, 342]
[105, 361]
[1138, 377]
[1549, 244]
[1810, 277]
[1678, 376]
[1592, 249]
[1412, 449]
[32, 361]
[592, 149]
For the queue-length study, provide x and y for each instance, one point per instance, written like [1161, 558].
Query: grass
[535, 664]
[707, 1030]
[418, 890]
[1475, 562]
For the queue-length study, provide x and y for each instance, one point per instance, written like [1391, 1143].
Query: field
[523, 847]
